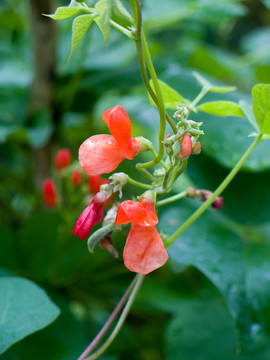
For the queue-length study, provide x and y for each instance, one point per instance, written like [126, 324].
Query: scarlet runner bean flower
[62, 159]
[94, 183]
[101, 154]
[50, 193]
[91, 215]
[144, 250]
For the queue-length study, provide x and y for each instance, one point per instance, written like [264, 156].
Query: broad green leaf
[171, 97]
[103, 8]
[221, 108]
[212, 88]
[201, 330]
[66, 12]
[121, 11]
[249, 114]
[79, 27]
[227, 141]
[261, 106]
[24, 309]
[234, 258]
[211, 248]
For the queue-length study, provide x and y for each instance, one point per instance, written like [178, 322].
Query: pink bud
[186, 146]
[197, 148]
[92, 215]
[62, 159]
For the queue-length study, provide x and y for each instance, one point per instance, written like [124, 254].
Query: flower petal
[119, 124]
[144, 250]
[99, 154]
[141, 213]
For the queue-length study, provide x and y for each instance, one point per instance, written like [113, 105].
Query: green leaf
[42, 227]
[266, 3]
[171, 97]
[79, 27]
[103, 8]
[261, 106]
[212, 88]
[25, 308]
[249, 114]
[121, 11]
[66, 12]
[233, 257]
[201, 330]
[221, 108]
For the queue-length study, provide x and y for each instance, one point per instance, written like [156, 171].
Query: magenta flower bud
[91, 215]
[218, 203]
[205, 194]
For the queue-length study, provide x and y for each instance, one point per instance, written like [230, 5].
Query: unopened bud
[62, 159]
[191, 192]
[76, 178]
[186, 146]
[205, 194]
[197, 148]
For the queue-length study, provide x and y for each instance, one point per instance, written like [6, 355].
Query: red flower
[144, 250]
[186, 146]
[76, 177]
[49, 193]
[101, 154]
[94, 183]
[91, 215]
[62, 159]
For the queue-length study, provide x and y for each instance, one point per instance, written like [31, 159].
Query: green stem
[172, 199]
[123, 30]
[142, 63]
[151, 148]
[218, 191]
[145, 173]
[100, 351]
[139, 184]
[161, 105]
[201, 94]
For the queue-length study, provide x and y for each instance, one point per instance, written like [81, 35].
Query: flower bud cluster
[187, 136]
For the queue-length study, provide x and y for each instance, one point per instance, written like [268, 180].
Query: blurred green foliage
[213, 295]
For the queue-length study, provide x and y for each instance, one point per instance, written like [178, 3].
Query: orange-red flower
[101, 154]
[50, 193]
[62, 159]
[144, 250]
